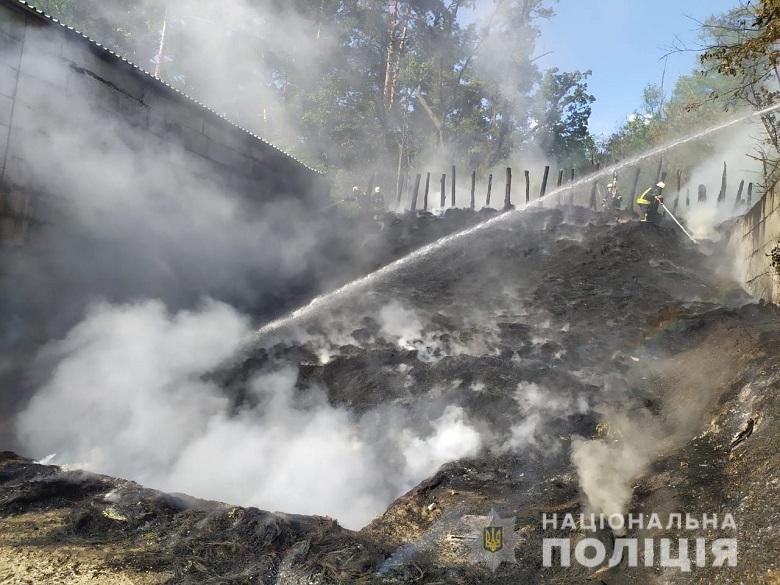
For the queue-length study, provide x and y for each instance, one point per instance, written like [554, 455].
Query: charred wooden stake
[473, 187]
[508, 192]
[571, 190]
[527, 186]
[416, 191]
[688, 196]
[679, 188]
[453, 186]
[739, 201]
[490, 188]
[750, 195]
[560, 177]
[633, 193]
[723, 184]
[427, 189]
[660, 168]
[443, 196]
[544, 182]
[702, 195]
[400, 192]
[593, 189]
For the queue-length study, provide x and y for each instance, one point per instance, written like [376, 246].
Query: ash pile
[561, 362]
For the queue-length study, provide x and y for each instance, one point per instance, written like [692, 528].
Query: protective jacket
[649, 204]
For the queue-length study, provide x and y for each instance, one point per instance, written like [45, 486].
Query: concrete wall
[47, 70]
[754, 236]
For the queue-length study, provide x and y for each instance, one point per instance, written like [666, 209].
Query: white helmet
[661, 184]
[377, 190]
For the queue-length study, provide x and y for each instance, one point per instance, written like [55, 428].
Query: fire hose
[679, 224]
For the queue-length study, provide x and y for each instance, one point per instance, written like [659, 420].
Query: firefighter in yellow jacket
[649, 202]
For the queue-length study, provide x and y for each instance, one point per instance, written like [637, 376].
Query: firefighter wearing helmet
[649, 202]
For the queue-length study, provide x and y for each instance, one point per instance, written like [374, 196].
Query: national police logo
[493, 538]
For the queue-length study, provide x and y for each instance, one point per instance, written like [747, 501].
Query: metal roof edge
[28, 7]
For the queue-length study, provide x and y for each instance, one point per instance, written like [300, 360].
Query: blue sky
[621, 41]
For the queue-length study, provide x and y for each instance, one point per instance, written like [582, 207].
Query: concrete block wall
[754, 236]
[45, 67]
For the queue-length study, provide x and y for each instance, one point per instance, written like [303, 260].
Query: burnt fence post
[634, 186]
[543, 190]
[508, 192]
[739, 201]
[527, 186]
[416, 191]
[427, 189]
[723, 185]
[400, 192]
[453, 186]
[473, 187]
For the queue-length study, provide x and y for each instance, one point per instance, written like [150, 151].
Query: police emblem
[493, 538]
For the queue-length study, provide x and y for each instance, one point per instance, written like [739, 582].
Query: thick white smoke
[127, 396]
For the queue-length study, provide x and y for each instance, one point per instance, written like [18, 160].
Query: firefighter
[649, 202]
[613, 199]
[377, 200]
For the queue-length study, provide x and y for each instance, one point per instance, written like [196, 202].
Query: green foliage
[563, 113]
[735, 74]
[396, 80]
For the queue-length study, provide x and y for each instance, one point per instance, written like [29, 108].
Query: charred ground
[595, 312]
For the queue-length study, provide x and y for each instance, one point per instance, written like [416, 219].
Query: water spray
[690, 237]
[364, 281]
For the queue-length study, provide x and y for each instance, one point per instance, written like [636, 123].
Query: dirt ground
[587, 307]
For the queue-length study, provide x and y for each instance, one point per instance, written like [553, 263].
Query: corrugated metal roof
[85, 38]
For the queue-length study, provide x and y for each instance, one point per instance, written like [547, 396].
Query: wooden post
[571, 189]
[453, 186]
[473, 187]
[490, 188]
[427, 188]
[400, 192]
[702, 194]
[527, 186]
[723, 184]
[660, 168]
[739, 201]
[416, 191]
[508, 193]
[544, 182]
[560, 182]
[371, 183]
[633, 193]
[679, 189]
[750, 195]
[443, 196]
[593, 190]
[688, 196]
